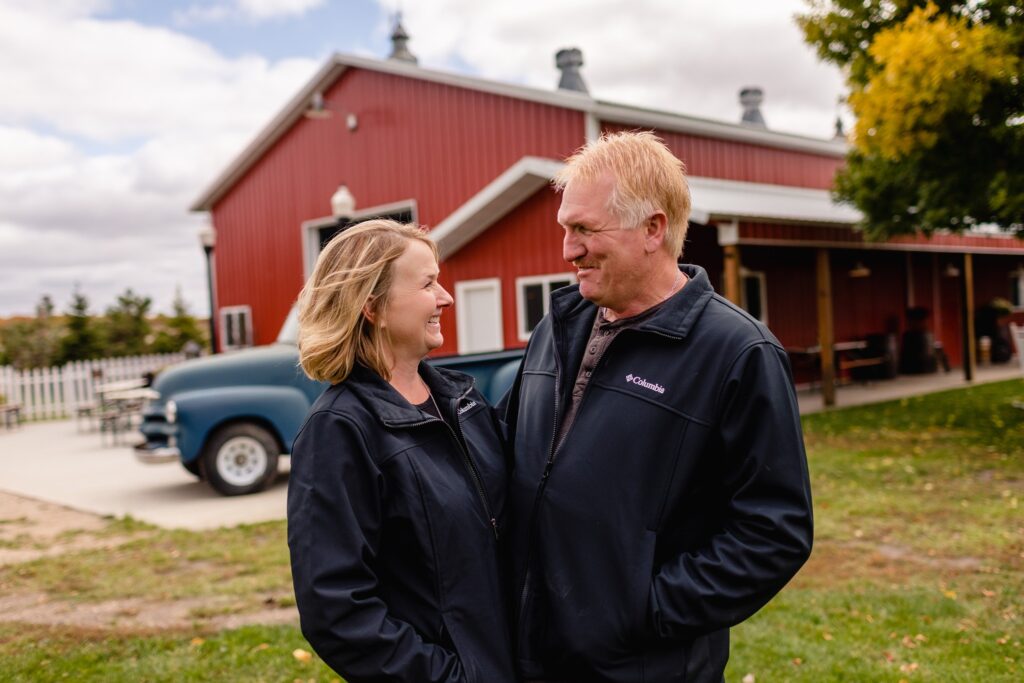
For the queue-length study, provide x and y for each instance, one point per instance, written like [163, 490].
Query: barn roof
[712, 198]
[332, 70]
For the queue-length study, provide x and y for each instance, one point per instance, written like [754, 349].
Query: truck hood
[276, 364]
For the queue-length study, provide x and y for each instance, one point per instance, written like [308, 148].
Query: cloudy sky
[116, 114]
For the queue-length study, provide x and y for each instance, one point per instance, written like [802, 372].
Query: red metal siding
[434, 143]
[528, 241]
[733, 160]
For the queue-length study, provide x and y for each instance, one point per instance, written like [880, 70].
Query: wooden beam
[826, 332]
[731, 273]
[967, 313]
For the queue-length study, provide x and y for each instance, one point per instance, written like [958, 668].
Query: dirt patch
[886, 562]
[31, 529]
[136, 614]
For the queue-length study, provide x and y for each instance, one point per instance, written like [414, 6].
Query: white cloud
[106, 138]
[684, 56]
[252, 10]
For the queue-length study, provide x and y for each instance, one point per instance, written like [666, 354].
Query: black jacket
[393, 548]
[676, 507]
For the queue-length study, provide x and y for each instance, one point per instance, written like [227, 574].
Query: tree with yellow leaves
[936, 88]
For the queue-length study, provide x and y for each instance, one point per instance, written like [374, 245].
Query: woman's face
[412, 319]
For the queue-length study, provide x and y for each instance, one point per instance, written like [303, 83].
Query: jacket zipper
[524, 592]
[547, 473]
[474, 474]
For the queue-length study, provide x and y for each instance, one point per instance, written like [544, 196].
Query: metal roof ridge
[612, 112]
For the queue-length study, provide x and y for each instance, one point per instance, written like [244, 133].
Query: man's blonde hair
[648, 178]
[353, 272]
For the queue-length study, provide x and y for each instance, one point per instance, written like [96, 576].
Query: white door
[478, 315]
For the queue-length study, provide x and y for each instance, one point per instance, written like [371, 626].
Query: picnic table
[10, 413]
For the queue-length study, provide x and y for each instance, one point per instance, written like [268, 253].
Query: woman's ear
[370, 311]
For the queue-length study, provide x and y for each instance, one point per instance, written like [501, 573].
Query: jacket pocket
[670, 474]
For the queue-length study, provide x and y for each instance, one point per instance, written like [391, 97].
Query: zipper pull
[494, 527]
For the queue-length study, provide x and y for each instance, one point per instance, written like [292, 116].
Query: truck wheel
[240, 458]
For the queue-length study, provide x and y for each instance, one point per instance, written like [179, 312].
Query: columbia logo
[468, 406]
[641, 382]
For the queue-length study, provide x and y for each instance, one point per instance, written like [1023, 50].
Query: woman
[397, 478]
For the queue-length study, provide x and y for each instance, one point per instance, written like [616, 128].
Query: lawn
[917, 572]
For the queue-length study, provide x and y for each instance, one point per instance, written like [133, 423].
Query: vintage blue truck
[228, 418]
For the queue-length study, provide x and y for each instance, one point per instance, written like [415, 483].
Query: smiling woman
[397, 483]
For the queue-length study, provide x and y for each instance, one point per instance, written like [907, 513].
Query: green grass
[917, 572]
[255, 653]
[918, 568]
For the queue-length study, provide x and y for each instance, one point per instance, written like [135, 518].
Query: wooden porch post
[967, 312]
[731, 274]
[826, 333]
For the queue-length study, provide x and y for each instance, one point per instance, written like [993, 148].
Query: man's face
[612, 264]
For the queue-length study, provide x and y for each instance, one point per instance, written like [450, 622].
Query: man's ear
[655, 228]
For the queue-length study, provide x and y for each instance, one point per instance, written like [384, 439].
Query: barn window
[533, 295]
[235, 327]
[1017, 287]
[754, 294]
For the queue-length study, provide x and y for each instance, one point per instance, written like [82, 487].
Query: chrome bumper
[156, 456]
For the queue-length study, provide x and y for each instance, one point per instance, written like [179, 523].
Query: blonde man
[660, 491]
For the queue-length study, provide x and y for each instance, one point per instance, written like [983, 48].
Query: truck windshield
[289, 333]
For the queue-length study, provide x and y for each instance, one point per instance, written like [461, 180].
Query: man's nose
[572, 248]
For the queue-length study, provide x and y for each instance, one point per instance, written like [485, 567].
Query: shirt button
[593, 349]
[587, 373]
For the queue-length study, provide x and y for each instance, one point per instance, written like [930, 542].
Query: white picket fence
[57, 392]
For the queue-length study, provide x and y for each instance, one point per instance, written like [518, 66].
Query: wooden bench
[10, 413]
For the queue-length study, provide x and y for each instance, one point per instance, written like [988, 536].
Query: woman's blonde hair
[354, 272]
[648, 178]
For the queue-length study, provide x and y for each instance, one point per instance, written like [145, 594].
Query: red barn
[473, 158]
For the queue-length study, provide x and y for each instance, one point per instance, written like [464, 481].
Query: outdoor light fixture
[208, 239]
[342, 202]
[950, 271]
[316, 108]
[859, 270]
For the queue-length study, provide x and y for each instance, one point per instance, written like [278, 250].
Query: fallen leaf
[950, 594]
[196, 642]
[908, 668]
[261, 646]
[302, 655]
[749, 678]
[826, 635]
[797, 661]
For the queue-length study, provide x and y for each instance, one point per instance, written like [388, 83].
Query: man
[660, 491]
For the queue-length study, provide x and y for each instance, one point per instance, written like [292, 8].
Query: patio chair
[1017, 333]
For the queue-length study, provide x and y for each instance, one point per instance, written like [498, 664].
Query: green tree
[81, 339]
[179, 329]
[936, 88]
[127, 328]
[33, 343]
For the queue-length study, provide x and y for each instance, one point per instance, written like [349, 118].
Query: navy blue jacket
[393, 519]
[678, 503]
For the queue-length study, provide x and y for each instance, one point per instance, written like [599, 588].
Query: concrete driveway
[55, 462]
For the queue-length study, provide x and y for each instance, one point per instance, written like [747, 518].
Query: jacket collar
[391, 408]
[673, 319]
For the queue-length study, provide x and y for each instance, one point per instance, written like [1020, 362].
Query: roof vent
[840, 130]
[569, 61]
[751, 99]
[400, 43]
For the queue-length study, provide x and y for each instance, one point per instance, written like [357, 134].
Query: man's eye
[584, 232]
